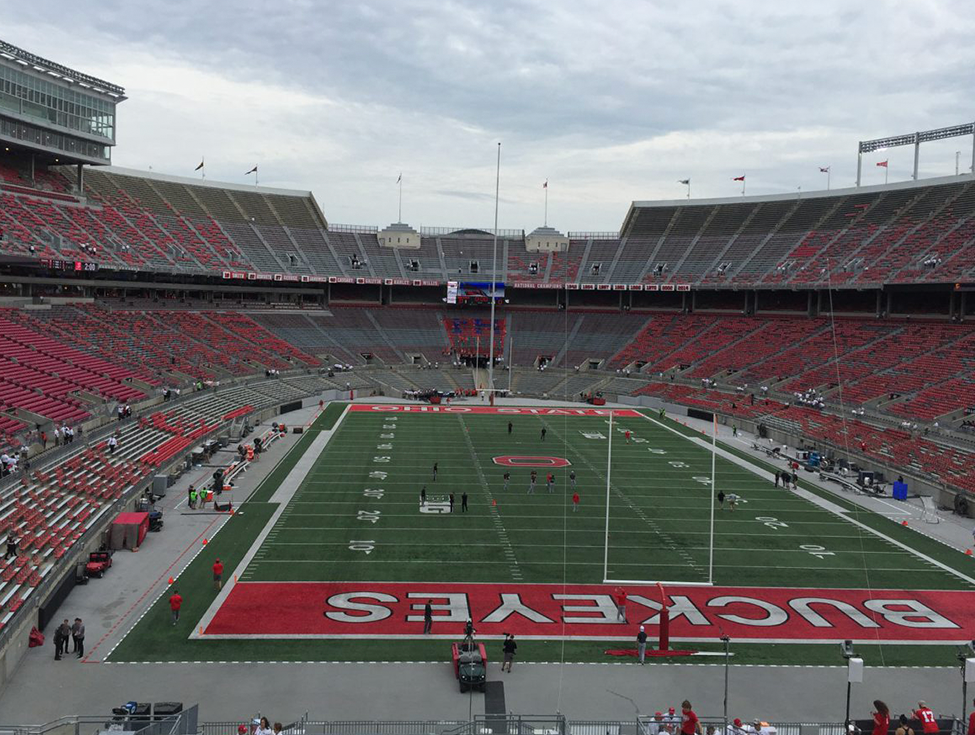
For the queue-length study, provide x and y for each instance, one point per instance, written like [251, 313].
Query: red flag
[738, 178]
[882, 164]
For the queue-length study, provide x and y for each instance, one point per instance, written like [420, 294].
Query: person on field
[627, 435]
[175, 603]
[619, 595]
[572, 480]
[507, 479]
[451, 498]
[641, 645]
[543, 433]
[427, 618]
[463, 502]
[721, 497]
[510, 427]
[732, 501]
[435, 471]
[575, 502]
[509, 649]
[217, 574]
[423, 496]
[550, 481]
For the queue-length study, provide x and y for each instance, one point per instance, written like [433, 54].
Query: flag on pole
[252, 171]
[738, 178]
[399, 178]
[200, 166]
[824, 169]
[882, 164]
[545, 185]
[685, 182]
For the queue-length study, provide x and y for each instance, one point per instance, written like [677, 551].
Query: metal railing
[182, 723]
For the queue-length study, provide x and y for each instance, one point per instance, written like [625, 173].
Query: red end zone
[390, 610]
[502, 410]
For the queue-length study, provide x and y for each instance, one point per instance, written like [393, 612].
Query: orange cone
[205, 541]
[903, 523]
[170, 580]
[968, 552]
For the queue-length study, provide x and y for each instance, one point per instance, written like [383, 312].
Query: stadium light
[915, 139]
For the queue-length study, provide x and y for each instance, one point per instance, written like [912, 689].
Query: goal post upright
[609, 468]
[714, 454]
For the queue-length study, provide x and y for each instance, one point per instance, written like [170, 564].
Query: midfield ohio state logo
[517, 460]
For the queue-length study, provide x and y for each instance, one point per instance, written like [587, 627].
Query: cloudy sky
[610, 100]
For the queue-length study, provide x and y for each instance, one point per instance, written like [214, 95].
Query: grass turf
[659, 500]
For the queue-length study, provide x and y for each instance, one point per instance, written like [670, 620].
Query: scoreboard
[471, 292]
[79, 266]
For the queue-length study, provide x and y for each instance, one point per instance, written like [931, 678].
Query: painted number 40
[818, 551]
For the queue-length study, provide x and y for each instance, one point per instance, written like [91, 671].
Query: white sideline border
[815, 500]
[283, 496]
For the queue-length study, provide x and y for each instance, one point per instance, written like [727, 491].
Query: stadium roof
[59, 71]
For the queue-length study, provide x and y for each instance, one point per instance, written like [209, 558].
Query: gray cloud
[610, 100]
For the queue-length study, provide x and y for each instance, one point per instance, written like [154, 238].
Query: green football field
[659, 512]
[356, 516]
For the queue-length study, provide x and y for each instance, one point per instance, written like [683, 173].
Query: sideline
[816, 500]
[282, 496]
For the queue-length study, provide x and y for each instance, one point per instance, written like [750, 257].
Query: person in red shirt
[928, 722]
[550, 480]
[217, 574]
[627, 435]
[575, 507]
[175, 603]
[688, 720]
[620, 594]
[881, 718]
[971, 723]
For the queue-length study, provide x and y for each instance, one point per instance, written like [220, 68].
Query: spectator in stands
[689, 724]
[735, 728]
[881, 718]
[904, 727]
[12, 542]
[128, 411]
[263, 727]
[57, 436]
[112, 444]
[120, 410]
[929, 723]
[43, 440]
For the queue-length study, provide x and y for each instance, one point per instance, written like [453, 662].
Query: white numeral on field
[370, 516]
[592, 435]
[387, 436]
[373, 492]
[378, 475]
[773, 523]
[384, 446]
[656, 451]
[702, 479]
[380, 459]
[818, 551]
[678, 464]
[638, 440]
[366, 547]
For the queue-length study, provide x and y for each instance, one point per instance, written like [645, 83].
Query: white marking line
[825, 504]
[282, 495]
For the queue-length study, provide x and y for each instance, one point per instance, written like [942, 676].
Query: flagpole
[829, 171]
[546, 203]
[743, 186]
[399, 182]
[886, 172]
[494, 267]
[688, 188]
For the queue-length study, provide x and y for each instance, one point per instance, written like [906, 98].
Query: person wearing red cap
[735, 727]
[689, 724]
[671, 720]
[175, 603]
[217, 574]
[656, 725]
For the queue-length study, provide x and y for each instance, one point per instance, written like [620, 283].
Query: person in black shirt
[463, 502]
[509, 427]
[509, 652]
[641, 645]
[451, 502]
[427, 618]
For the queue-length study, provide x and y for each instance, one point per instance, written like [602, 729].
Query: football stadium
[260, 468]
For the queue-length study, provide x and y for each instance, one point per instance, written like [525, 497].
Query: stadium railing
[181, 723]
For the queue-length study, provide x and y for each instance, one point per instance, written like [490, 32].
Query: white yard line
[283, 495]
[821, 502]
